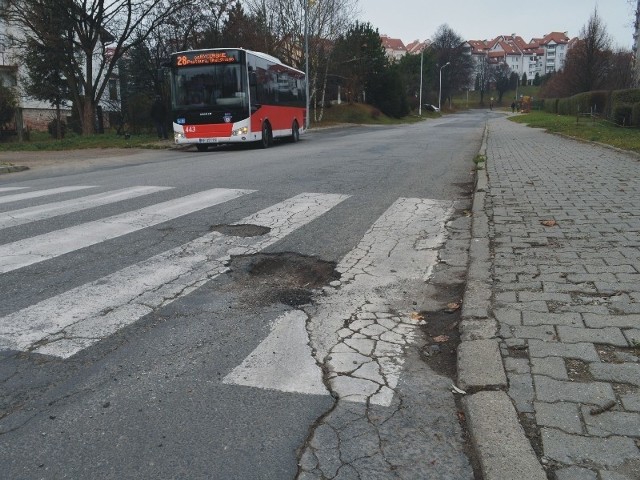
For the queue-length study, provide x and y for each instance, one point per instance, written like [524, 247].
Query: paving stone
[576, 473]
[480, 365]
[478, 329]
[633, 336]
[618, 372]
[607, 336]
[521, 391]
[631, 401]
[575, 449]
[608, 475]
[601, 321]
[537, 318]
[517, 365]
[541, 332]
[544, 297]
[562, 415]
[553, 367]
[504, 452]
[508, 316]
[581, 351]
[592, 393]
[612, 422]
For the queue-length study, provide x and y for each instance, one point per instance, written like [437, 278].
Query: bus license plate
[208, 140]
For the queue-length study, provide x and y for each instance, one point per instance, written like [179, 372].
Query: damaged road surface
[240, 314]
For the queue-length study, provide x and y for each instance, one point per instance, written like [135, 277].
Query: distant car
[431, 108]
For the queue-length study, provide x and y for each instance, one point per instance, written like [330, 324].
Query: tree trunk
[88, 116]
[58, 122]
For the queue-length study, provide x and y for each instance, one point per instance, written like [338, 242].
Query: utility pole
[307, 119]
[636, 45]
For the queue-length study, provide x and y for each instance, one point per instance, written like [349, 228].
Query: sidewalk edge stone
[497, 437]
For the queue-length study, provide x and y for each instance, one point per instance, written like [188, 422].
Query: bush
[8, 104]
[622, 113]
[53, 131]
[635, 115]
[551, 105]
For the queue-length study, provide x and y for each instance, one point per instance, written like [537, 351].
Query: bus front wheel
[267, 136]
[295, 132]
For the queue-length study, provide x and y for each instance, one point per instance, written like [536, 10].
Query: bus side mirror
[253, 79]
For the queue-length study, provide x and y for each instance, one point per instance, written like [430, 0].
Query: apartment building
[539, 56]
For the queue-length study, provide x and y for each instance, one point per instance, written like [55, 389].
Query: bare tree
[102, 32]
[587, 66]
[327, 20]
[448, 47]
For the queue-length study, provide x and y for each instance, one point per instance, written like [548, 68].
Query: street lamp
[420, 97]
[440, 91]
[307, 119]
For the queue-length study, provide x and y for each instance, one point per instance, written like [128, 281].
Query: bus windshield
[208, 86]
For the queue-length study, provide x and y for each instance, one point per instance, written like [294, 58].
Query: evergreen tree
[360, 59]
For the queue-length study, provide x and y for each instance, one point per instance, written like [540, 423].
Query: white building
[36, 114]
[539, 56]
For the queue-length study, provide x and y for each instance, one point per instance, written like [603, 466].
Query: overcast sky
[485, 19]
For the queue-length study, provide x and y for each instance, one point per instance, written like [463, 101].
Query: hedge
[620, 106]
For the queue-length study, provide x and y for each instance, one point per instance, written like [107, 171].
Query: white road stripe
[10, 189]
[50, 245]
[50, 210]
[65, 324]
[357, 331]
[41, 193]
[283, 361]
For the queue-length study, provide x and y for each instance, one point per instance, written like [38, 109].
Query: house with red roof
[393, 47]
[539, 56]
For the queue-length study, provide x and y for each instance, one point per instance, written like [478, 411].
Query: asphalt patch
[241, 230]
[287, 278]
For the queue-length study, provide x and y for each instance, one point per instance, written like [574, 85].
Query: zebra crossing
[71, 321]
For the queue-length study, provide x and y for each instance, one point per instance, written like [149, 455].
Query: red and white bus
[233, 95]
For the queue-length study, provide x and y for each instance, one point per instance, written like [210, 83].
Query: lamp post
[440, 90]
[307, 119]
[420, 96]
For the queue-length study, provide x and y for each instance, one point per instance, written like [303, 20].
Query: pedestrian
[513, 107]
[159, 116]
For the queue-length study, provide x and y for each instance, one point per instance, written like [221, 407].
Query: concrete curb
[500, 444]
[12, 168]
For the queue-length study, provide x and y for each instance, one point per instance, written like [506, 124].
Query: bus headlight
[177, 136]
[240, 131]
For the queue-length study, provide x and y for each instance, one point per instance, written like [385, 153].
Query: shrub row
[619, 106]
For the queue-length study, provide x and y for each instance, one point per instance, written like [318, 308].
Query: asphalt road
[117, 359]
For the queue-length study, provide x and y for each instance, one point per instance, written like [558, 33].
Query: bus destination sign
[207, 58]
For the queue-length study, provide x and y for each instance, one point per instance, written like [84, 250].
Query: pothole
[287, 278]
[442, 337]
[241, 230]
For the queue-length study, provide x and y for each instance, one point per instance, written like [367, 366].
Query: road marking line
[50, 210]
[50, 245]
[72, 321]
[359, 331]
[283, 361]
[11, 189]
[41, 193]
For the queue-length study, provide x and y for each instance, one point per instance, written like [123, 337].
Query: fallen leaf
[441, 339]
[417, 316]
[452, 307]
[461, 417]
[549, 223]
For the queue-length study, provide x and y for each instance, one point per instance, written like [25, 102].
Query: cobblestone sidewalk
[564, 230]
